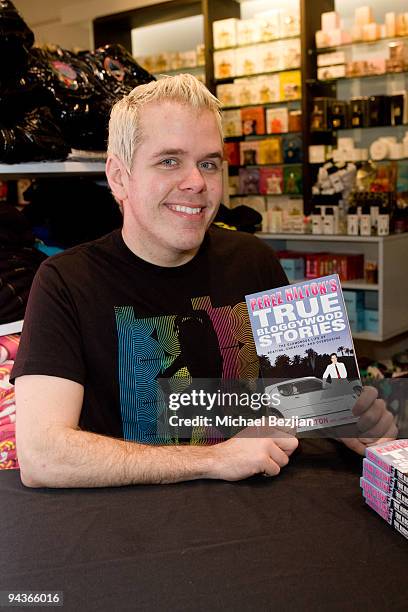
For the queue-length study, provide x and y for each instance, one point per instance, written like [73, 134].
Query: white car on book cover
[310, 397]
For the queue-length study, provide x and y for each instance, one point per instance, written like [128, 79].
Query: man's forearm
[75, 458]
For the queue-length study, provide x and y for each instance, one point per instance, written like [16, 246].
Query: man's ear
[118, 177]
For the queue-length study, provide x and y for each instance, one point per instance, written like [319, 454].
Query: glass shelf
[363, 76]
[260, 42]
[256, 74]
[361, 43]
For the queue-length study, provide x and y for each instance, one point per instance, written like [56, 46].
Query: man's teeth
[186, 209]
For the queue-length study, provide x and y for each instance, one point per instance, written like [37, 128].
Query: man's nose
[193, 180]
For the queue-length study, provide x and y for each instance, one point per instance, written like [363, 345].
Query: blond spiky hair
[124, 124]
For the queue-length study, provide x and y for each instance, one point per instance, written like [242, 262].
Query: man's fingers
[271, 468]
[382, 426]
[388, 436]
[371, 417]
[367, 397]
[278, 455]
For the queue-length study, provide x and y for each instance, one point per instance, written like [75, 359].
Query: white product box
[224, 64]
[331, 72]
[225, 33]
[269, 25]
[228, 94]
[338, 37]
[248, 31]
[270, 57]
[322, 39]
[390, 24]
[290, 23]
[331, 59]
[363, 15]
[330, 21]
[371, 31]
[317, 154]
[277, 120]
[247, 61]
[268, 89]
[188, 59]
[231, 123]
[356, 33]
[290, 53]
[247, 91]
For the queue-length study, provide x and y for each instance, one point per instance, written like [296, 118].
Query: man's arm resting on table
[53, 452]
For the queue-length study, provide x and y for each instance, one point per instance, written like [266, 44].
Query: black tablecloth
[301, 541]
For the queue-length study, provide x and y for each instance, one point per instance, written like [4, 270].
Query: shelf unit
[388, 251]
[50, 168]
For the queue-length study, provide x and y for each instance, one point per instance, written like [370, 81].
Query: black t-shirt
[101, 316]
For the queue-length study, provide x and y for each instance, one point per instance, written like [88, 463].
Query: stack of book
[385, 482]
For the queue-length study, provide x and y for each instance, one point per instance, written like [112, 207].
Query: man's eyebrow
[166, 152]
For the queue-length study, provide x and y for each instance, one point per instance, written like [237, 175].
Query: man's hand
[375, 422]
[255, 450]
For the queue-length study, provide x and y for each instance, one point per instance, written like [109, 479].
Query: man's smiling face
[175, 185]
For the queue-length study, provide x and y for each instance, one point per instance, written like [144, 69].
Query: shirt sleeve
[51, 342]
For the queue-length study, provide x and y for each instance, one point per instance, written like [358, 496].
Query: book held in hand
[306, 352]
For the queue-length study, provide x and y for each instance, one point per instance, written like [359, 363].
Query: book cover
[249, 180]
[249, 152]
[270, 151]
[290, 85]
[292, 180]
[277, 120]
[271, 181]
[371, 490]
[253, 120]
[388, 487]
[392, 457]
[231, 153]
[306, 352]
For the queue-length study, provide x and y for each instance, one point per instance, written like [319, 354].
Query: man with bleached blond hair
[100, 324]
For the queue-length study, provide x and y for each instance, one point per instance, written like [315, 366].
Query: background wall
[68, 23]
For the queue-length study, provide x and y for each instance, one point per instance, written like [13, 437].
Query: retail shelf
[284, 164]
[11, 328]
[249, 137]
[361, 127]
[376, 161]
[360, 43]
[351, 284]
[260, 42]
[289, 196]
[264, 104]
[47, 168]
[255, 74]
[362, 76]
[331, 237]
[189, 70]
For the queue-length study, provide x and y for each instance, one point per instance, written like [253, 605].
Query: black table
[301, 541]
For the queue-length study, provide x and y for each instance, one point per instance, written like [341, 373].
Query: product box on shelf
[271, 181]
[231, 153]
[247, 92]
[232, 123]
[200, 52]
[331, 59]
[249, 180]
[277, 120]
[363, 15]
[330, 21]
[233, 185]
[295, 121]
[354, 300]
[270, 151]
[269, 57]
[290, 22]
[224, 64]
[227, 93]
[269, 24]
[294, 267]
[225, 33]
[246, 61]
[320, 114]
[358, 112]
[248, 31]
[290, 53]
[371, 321]
[249, 153]
[267, 88]
[253, 120]
[292, 217]
[338, 115]
[292, 180]
[292, 149]
[290, 85]
[326, 73]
